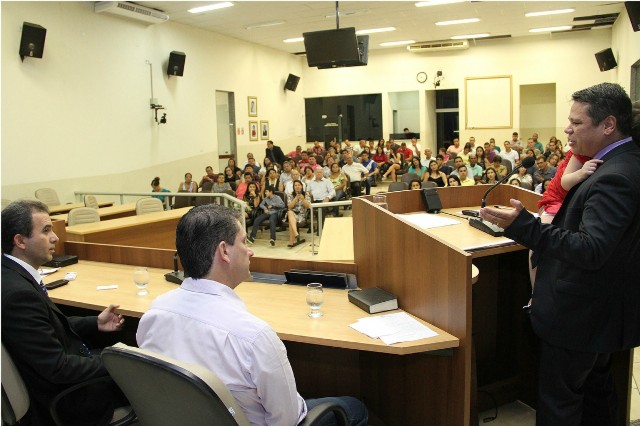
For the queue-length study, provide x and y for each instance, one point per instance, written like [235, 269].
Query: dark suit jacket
[46, 346]
[587, 290]
[276, 155]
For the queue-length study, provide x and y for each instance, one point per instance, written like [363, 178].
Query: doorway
[226, 121]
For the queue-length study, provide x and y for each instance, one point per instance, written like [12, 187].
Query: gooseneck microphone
[526, 163]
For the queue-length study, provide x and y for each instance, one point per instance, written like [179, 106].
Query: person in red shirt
[406, 152]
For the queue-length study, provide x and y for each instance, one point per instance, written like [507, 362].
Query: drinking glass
[141, 278]
[315, 297]
[381, 201]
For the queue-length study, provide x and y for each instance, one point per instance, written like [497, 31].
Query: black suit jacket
[276, 155]
[587, 290]
[46, 346]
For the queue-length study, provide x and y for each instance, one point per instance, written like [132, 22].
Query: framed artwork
[264, 129]
[253, 130]
[252, 103]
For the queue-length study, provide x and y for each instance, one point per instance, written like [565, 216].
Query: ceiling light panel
[458, 21]
[209, 7]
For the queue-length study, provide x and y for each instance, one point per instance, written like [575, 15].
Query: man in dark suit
[49, 349]
[586, 299]
[275, 153]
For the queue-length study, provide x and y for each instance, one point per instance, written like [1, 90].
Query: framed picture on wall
[264, 129]
[253, 130]
[252, 102]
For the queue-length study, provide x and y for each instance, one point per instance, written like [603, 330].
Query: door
[226, 120]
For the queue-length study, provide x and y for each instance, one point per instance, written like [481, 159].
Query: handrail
[238, 204]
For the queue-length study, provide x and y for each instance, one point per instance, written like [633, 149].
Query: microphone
[526, 163]
[176, 276]
[488, 227]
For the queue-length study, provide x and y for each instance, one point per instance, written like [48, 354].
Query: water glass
[141, 279]
[381, 201]
[315, 297]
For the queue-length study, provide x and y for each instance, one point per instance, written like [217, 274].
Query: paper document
[428, 220]
[393, 328]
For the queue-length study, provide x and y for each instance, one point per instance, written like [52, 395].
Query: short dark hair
[607, 99]
[199, 233]
[17, 219]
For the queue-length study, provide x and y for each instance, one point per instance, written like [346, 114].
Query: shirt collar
[30, 269]
[604, 151]
[205, 286]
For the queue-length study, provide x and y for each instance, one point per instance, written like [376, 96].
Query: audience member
[544, 170]
[295, 175]
[357, 174]
[427, 157]
[230, 177]
[242, 186]
[465, 180]
[253, 163]
[500, 168]
[204, 322]
[236, 170]
[435, 174]
[415, 184]
[405, 151]
[481, 157]
[415, 147]
[454, 180]
[514, 181]
[155, 187]
[308, 175]
[465, 153]
[304, 160]
[447, 170]
[317, 148]
[516, 143]
[274, 153]
[220, 185]
[296, 154]
[321, 190]
[417, 168]
[474, 168]
[490, 176]
[524, 177]
[298, 204]
[188, 185]
[252, 198]
[285, 176]
[455, 148]
[208, 177]
[536, 144]
[510, 154]
[372, 171]
[271, 180]
[271, 206]
[457, 162]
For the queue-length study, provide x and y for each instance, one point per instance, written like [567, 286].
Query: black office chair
[408, 177]
[428, 184]
[167, 392]
[181, 202]
[398, 186]
[206, 187]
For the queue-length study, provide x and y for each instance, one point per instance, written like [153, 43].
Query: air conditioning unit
[131, 11]
[436, 46]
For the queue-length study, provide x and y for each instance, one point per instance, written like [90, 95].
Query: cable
[495, 406]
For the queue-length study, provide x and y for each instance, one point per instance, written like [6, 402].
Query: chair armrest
[316, 413]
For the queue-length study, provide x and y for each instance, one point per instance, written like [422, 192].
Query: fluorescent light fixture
[436, 2]
[469, 36]
[264, 25]
[550, 29]
[458, 21]
[294, 40]
[209, 7]
[376, 30]
[397, 43]
[548, 12]
[346, 13]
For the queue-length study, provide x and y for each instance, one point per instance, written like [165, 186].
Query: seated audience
[188, 185]
[490, 176]
[514, 181]
[298, 204]
[208, 177]
[543, 170]
[417, 168]
[308, 175]
[435, 174]
[454, 180]
[465, 180]
[271, 180]
[415, 184]
[252, 198]
[242, 186]
[220, 185]
[295, 175]
[524, 177]
[270, 208]
[236, 170]
[155, 187]
[500, 168]
[357, 174]
[321, 191]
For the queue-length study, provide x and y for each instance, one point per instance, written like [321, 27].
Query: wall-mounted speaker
[606, 60]
[176, 64]
[633, 10]
[292, 83]
[32, 41]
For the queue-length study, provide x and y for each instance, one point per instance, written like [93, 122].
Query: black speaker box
[32, 41]
[606, 60]
[633, 10]
[176, 64]
[432, 201]
[292, 82]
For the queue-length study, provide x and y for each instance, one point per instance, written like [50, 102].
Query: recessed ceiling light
[210, 7]
[264, 24]
[397, 43]
[436, 2]
[550, 29]
[458, 21]
[548, 12]
[468, 36]
[293, 40]
[376, 30]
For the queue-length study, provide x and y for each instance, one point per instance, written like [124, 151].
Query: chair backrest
[182, 202]
[398, 186]
[408, 177]
[148, 205]
[83, 215]
[428, 184]
[526, 185]
[15, 398]
[206, 186]
[167, 392]
[48, 196]
[90, 201]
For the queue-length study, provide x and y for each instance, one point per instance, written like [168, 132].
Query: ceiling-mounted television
[335, 48]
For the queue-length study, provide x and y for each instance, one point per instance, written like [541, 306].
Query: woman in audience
[454, 180]
[490, 176]
[514, 181]
[252, 198]
[331, 153]
[415, 184]
[465, 153]
[272, 180]
[220, 185]
[229, 176]
[436, 175]
[266, 165]
[231, 163]
[396, 163]
[308, 175]
[445, 155]
[188, 185]
[482, 158]
[339, 181]
[298, 203]
[554, 160]
[498, 167]
[155, 187]
[524, 177]
[530, 153]
[329, 161]
[417, 168]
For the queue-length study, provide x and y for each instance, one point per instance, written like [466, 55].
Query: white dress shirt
[321, 189]
[206, 323]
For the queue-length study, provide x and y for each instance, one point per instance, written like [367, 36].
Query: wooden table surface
[336, 243]
[66, 208]
[110, 212]
[282, 306]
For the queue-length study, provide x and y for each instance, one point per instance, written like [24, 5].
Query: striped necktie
[43, 288]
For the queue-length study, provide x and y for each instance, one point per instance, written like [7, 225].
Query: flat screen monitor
[331, 48]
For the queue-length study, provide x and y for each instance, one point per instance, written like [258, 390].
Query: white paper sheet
[428, 220]
[393, 328]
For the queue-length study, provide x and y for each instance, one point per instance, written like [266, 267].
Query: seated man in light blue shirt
[206, 323]
[321, 190]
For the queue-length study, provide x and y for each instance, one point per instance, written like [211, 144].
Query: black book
[373, 300]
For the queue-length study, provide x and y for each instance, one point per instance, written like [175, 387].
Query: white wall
[79, 118]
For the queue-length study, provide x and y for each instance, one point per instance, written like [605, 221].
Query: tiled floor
[512, 414]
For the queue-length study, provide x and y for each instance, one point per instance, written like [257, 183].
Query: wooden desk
[282, 306]
[106, 213]
[157, 230]
[336, 242]
[66, 208]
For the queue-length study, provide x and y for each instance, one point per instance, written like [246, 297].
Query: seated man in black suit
[49, 349]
